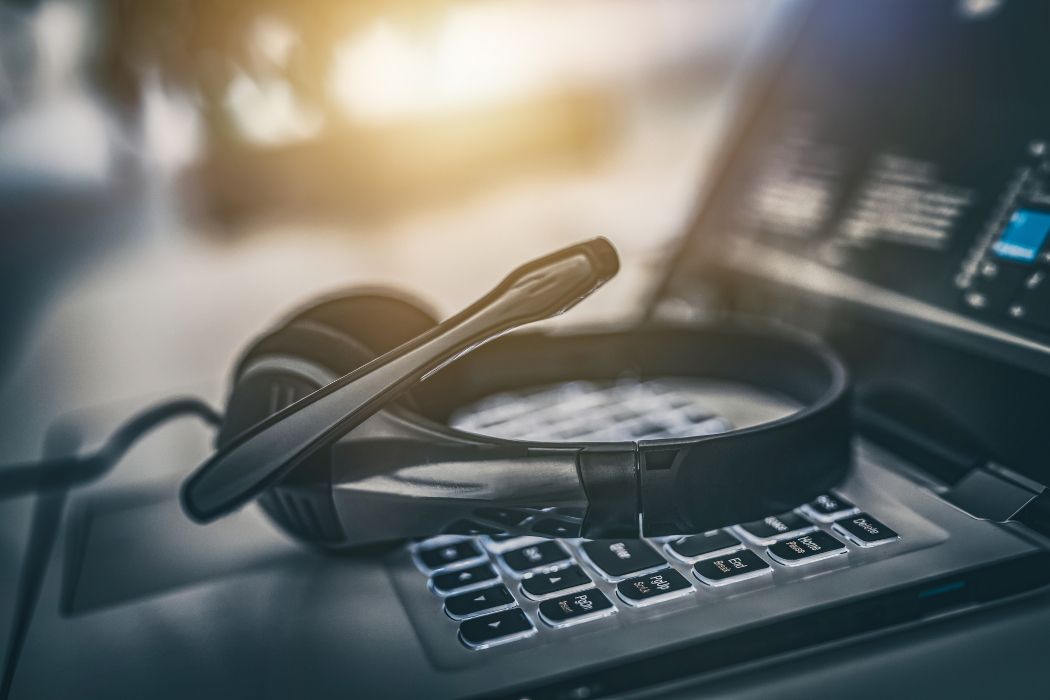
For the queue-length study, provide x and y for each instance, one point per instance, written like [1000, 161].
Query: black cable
[53, 478]
[26, 478]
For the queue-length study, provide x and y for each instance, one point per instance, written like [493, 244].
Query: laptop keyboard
[484, 579]
[717, 598]
[484, 575]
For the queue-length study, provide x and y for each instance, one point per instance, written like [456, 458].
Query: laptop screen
[891, 171]
[902, 146]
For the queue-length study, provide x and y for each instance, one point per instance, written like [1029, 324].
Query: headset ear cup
[380, 318]
[284, 366]
[321, 345]
[334, 336]
[317, 345]
[279, 369]
[373, 320]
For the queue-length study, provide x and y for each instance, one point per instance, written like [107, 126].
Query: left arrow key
[464, 606]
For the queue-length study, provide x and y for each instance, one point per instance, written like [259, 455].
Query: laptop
[885, 187]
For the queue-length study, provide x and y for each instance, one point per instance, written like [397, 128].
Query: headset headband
[680, 485]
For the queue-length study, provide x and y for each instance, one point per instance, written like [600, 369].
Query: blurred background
[177, 175]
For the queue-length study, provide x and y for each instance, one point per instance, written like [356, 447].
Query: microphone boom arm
[265, 453]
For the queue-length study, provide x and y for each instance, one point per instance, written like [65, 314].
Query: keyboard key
[463, 606]
[556, 528]
[739, 566]
[497, 628]
[696, 547]
[466, 580]
[511, 517]
[805, 549]
[665, 584]
[469, 527]
[499, 537]
[448, 557]
[865, 531]
[536, 558]
[574, 608]
[775, 527]
[828, 508]
[616, 560]
[543, 586]
[419, 543]
[497, 544]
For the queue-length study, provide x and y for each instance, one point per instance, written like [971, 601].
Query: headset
[338, 421]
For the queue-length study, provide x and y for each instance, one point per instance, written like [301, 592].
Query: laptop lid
[887, 184]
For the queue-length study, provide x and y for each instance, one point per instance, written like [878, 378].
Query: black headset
[331, 427]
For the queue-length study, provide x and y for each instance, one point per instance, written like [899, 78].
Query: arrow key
[543, 586]
[471, 579]
[497, 628]
[464, 606]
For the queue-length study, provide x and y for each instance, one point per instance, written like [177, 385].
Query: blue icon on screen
[1024, 235]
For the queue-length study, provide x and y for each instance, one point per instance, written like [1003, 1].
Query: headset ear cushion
[380, 318]
[283, 367]
[317, 343]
